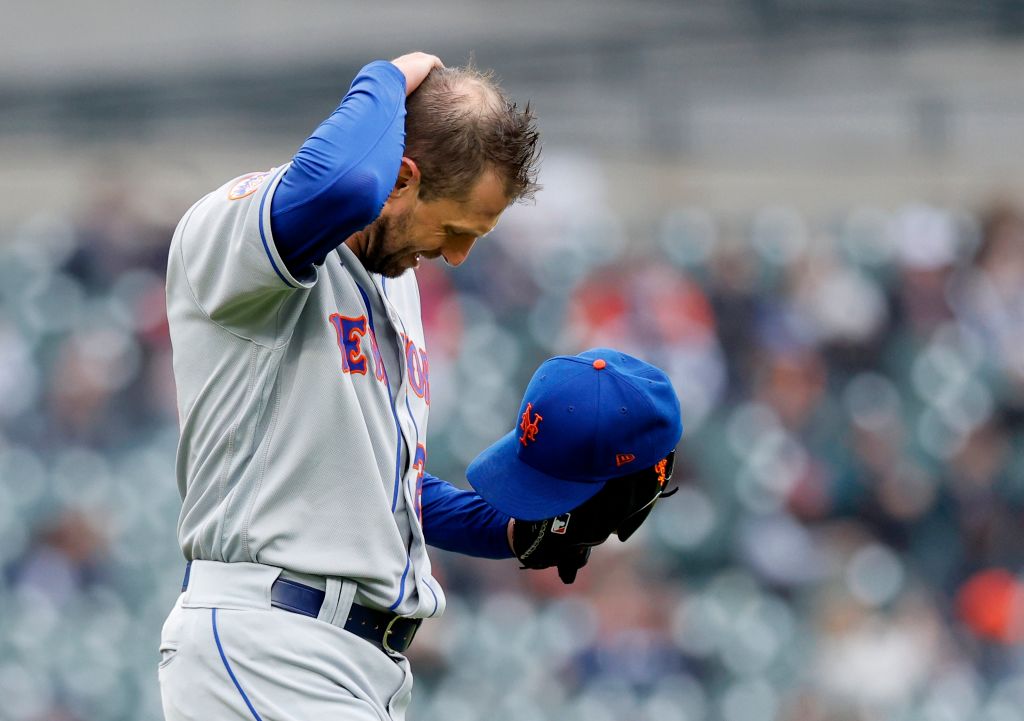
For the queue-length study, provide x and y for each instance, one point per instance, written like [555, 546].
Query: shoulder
[245, 185]
[243, 197]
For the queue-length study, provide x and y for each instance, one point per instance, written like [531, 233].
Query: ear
[408, 181]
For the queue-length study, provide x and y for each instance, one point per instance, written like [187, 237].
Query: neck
[357, 243]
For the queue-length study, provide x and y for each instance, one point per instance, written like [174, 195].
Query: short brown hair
[460, 123]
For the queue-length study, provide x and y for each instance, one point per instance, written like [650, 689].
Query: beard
[387, 246]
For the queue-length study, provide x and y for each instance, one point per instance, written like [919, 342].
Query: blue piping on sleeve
[220, 649]
[263, 235]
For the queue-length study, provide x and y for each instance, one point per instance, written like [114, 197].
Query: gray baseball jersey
[303, 406]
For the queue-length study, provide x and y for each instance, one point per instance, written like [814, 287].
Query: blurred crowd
[844, 545]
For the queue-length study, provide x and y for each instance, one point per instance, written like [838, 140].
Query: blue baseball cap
[584, 420]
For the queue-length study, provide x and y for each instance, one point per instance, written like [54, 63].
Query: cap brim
[519, 490]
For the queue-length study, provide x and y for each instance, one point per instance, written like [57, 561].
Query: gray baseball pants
[226, 654]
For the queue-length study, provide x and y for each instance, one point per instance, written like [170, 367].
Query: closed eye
[455, 232]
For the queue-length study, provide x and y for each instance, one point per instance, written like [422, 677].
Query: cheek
[424, 232]
[432, 241]
[418, 241]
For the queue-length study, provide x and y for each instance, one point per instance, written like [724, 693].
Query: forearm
[340, 178]
[463, 522]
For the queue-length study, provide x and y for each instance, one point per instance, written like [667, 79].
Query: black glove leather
[620, 507]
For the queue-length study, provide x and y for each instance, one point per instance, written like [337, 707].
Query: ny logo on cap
[529, 426]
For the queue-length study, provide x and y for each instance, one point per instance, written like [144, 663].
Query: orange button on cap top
[599, 363]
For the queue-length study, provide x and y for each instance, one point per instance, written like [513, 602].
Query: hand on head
[416, 67]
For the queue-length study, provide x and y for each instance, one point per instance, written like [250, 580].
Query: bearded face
[408, 229]
[389, 249]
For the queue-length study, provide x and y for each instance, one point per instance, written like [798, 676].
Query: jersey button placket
[405, 419]
[403, 381]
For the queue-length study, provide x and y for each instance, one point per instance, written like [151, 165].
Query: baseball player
[303, 392]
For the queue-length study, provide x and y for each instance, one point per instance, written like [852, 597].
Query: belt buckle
[387, 633]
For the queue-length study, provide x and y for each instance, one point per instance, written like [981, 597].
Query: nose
[456, 252]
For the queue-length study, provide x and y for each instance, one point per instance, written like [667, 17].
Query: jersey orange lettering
[418, 369]
[426, 377]
[414, 365]
[378, 362]
[350, 332]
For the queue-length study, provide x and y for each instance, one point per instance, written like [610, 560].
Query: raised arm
[340, 178]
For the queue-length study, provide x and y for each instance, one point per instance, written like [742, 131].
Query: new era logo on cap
[622, 459]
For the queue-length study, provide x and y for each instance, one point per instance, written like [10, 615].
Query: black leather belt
[385, 630]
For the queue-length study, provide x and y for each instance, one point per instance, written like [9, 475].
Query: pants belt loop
[337, 601]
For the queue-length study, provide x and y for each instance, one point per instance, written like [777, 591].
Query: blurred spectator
[990, 300]
[632, 645]
[660, 315]
[927, 250]
[67, 555]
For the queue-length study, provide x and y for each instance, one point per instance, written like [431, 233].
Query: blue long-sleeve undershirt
[462, 521]
[341, 176]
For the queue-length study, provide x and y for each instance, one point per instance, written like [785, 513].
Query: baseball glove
[620, 507]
